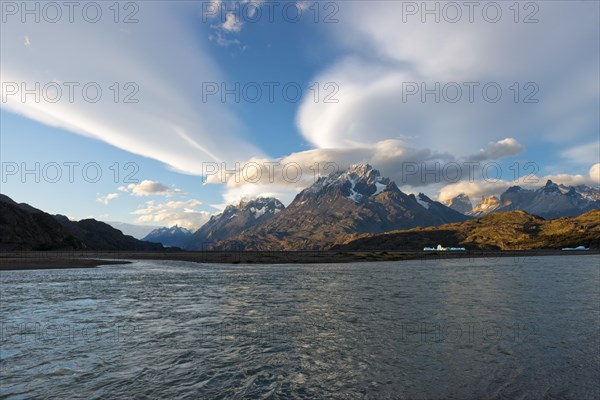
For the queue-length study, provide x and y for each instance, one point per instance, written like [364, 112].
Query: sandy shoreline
[80, 259]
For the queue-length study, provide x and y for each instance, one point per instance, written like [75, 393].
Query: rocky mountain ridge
[548, 201]
[337, 207]
[233, 221]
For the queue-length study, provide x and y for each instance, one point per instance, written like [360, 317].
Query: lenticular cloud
[132, 86]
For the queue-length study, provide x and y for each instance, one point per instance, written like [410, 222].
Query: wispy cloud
[583, 154]
[168, 110]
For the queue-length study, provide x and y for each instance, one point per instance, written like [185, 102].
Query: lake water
[501, 328]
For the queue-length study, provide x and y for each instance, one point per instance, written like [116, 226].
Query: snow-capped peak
[551, 187]
[262, 206]
[423, 200]
[174, 230]
[168, 236]
[361, 169]
[357, 182]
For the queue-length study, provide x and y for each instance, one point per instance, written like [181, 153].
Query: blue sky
[367, 55]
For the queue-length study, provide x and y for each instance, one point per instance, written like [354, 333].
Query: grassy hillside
[515, 230]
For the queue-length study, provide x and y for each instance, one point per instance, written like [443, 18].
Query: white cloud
[384, 54]
[170, 213]
[301, 169]
[496, 150]
[149, 188]
[169, 114]
[232, 23]
[232, 15]
[394, 158]
[105, 199]
[27, 42]
[595, 174]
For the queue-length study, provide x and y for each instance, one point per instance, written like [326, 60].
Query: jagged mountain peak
[175, 229]
[234, 220]
[551, 200]
[423, 200]
[572, 192]
[358, 182]
[362, 172]
[487, 205]
[461, 203]
[362, 169]
[256, 207]
[588, 192]
[261, 205]
[513, 189]
[550, 187]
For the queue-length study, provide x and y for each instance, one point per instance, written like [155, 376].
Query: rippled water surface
[503, 328]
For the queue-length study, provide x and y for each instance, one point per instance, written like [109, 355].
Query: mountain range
[335, 208]
[345, 209]
[548, 201]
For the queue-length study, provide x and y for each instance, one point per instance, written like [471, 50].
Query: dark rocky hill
[24, 227]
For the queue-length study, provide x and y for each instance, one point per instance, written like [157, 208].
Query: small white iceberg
[440, 248]
[578, 248]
